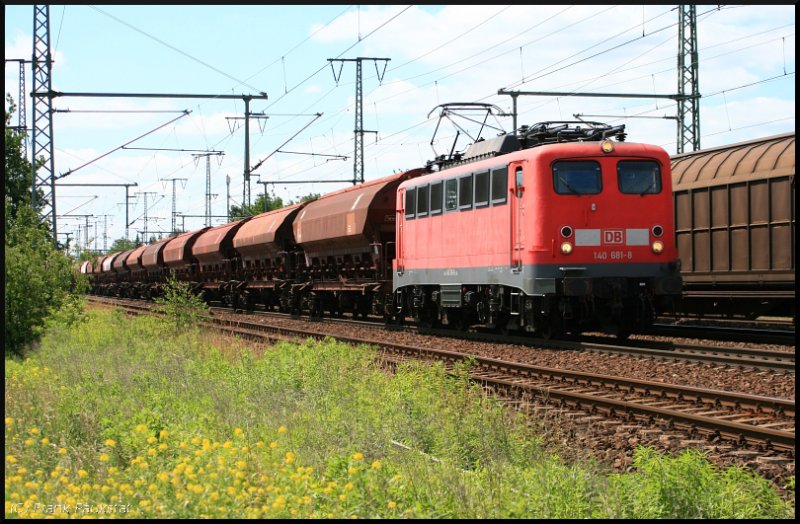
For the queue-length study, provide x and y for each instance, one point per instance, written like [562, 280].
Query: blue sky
[438, 54]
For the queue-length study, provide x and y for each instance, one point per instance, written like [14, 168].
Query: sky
[436, 54]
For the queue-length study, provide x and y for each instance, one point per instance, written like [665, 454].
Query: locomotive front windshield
[577, 177]
[639, 177]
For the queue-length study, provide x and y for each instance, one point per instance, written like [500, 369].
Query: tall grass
[113, 418]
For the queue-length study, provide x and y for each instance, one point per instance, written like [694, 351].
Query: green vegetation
[112, 418]
[182, 307]
[39, 279]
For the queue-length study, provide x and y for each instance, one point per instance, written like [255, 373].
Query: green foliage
[182, 307]
[18, 173]
[270, 201]
[39, 280]
[263, 203]
[316, 430]
[122, 244]
[687, 486]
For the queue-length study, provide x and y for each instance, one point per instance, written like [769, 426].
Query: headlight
[566, 248]
[658, 246]
[607, 146]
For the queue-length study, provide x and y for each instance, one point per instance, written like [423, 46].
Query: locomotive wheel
[552, 327]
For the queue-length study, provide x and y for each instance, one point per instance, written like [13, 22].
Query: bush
[39, 279]
[182, 307]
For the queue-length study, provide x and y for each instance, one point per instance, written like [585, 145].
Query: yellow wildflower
[34, 431]
[151, 440]
[11, 459]
[238, 432]
[9, 421]
[163, 433]
[141, 428]
[82, 473]
[111, 443]
[392, 504]
[376, 464]
[289, 457]
[358, 456]
[62, 451]
[282, 429]
[103, 457]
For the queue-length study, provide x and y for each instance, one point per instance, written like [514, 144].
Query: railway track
[715, 331]
[705, 414]
[727, 356]
[756, 358]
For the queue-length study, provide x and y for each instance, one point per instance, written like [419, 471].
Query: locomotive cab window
[482, 189]
[639, 177]
[577, 177]
[422, 201]
[411, 202]
[451, 194]
[465, 192]
[436, 198]
[499, 186]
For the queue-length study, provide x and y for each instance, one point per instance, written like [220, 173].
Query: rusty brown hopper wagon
[266, 245]
[178, 253]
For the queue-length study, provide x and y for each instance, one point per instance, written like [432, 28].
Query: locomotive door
[517, 190]
[400, 224]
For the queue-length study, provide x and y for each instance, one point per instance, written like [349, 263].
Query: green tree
[262, 204]
[18, 173]
[122, 244]
[39, 279]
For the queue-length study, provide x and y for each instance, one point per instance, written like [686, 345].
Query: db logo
[612, 236]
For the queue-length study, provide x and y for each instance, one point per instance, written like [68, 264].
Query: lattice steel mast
[688, 76]
[43, 191]
[358, 151]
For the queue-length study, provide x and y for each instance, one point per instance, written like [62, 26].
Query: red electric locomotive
[558, 229]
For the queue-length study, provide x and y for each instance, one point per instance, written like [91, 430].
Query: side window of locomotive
[451, 195]
[422, 201]
[465, 192]
[639, 177]
[436, 198]
[499, 186]
[411, 202]
[577, 177]
[482, 189]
